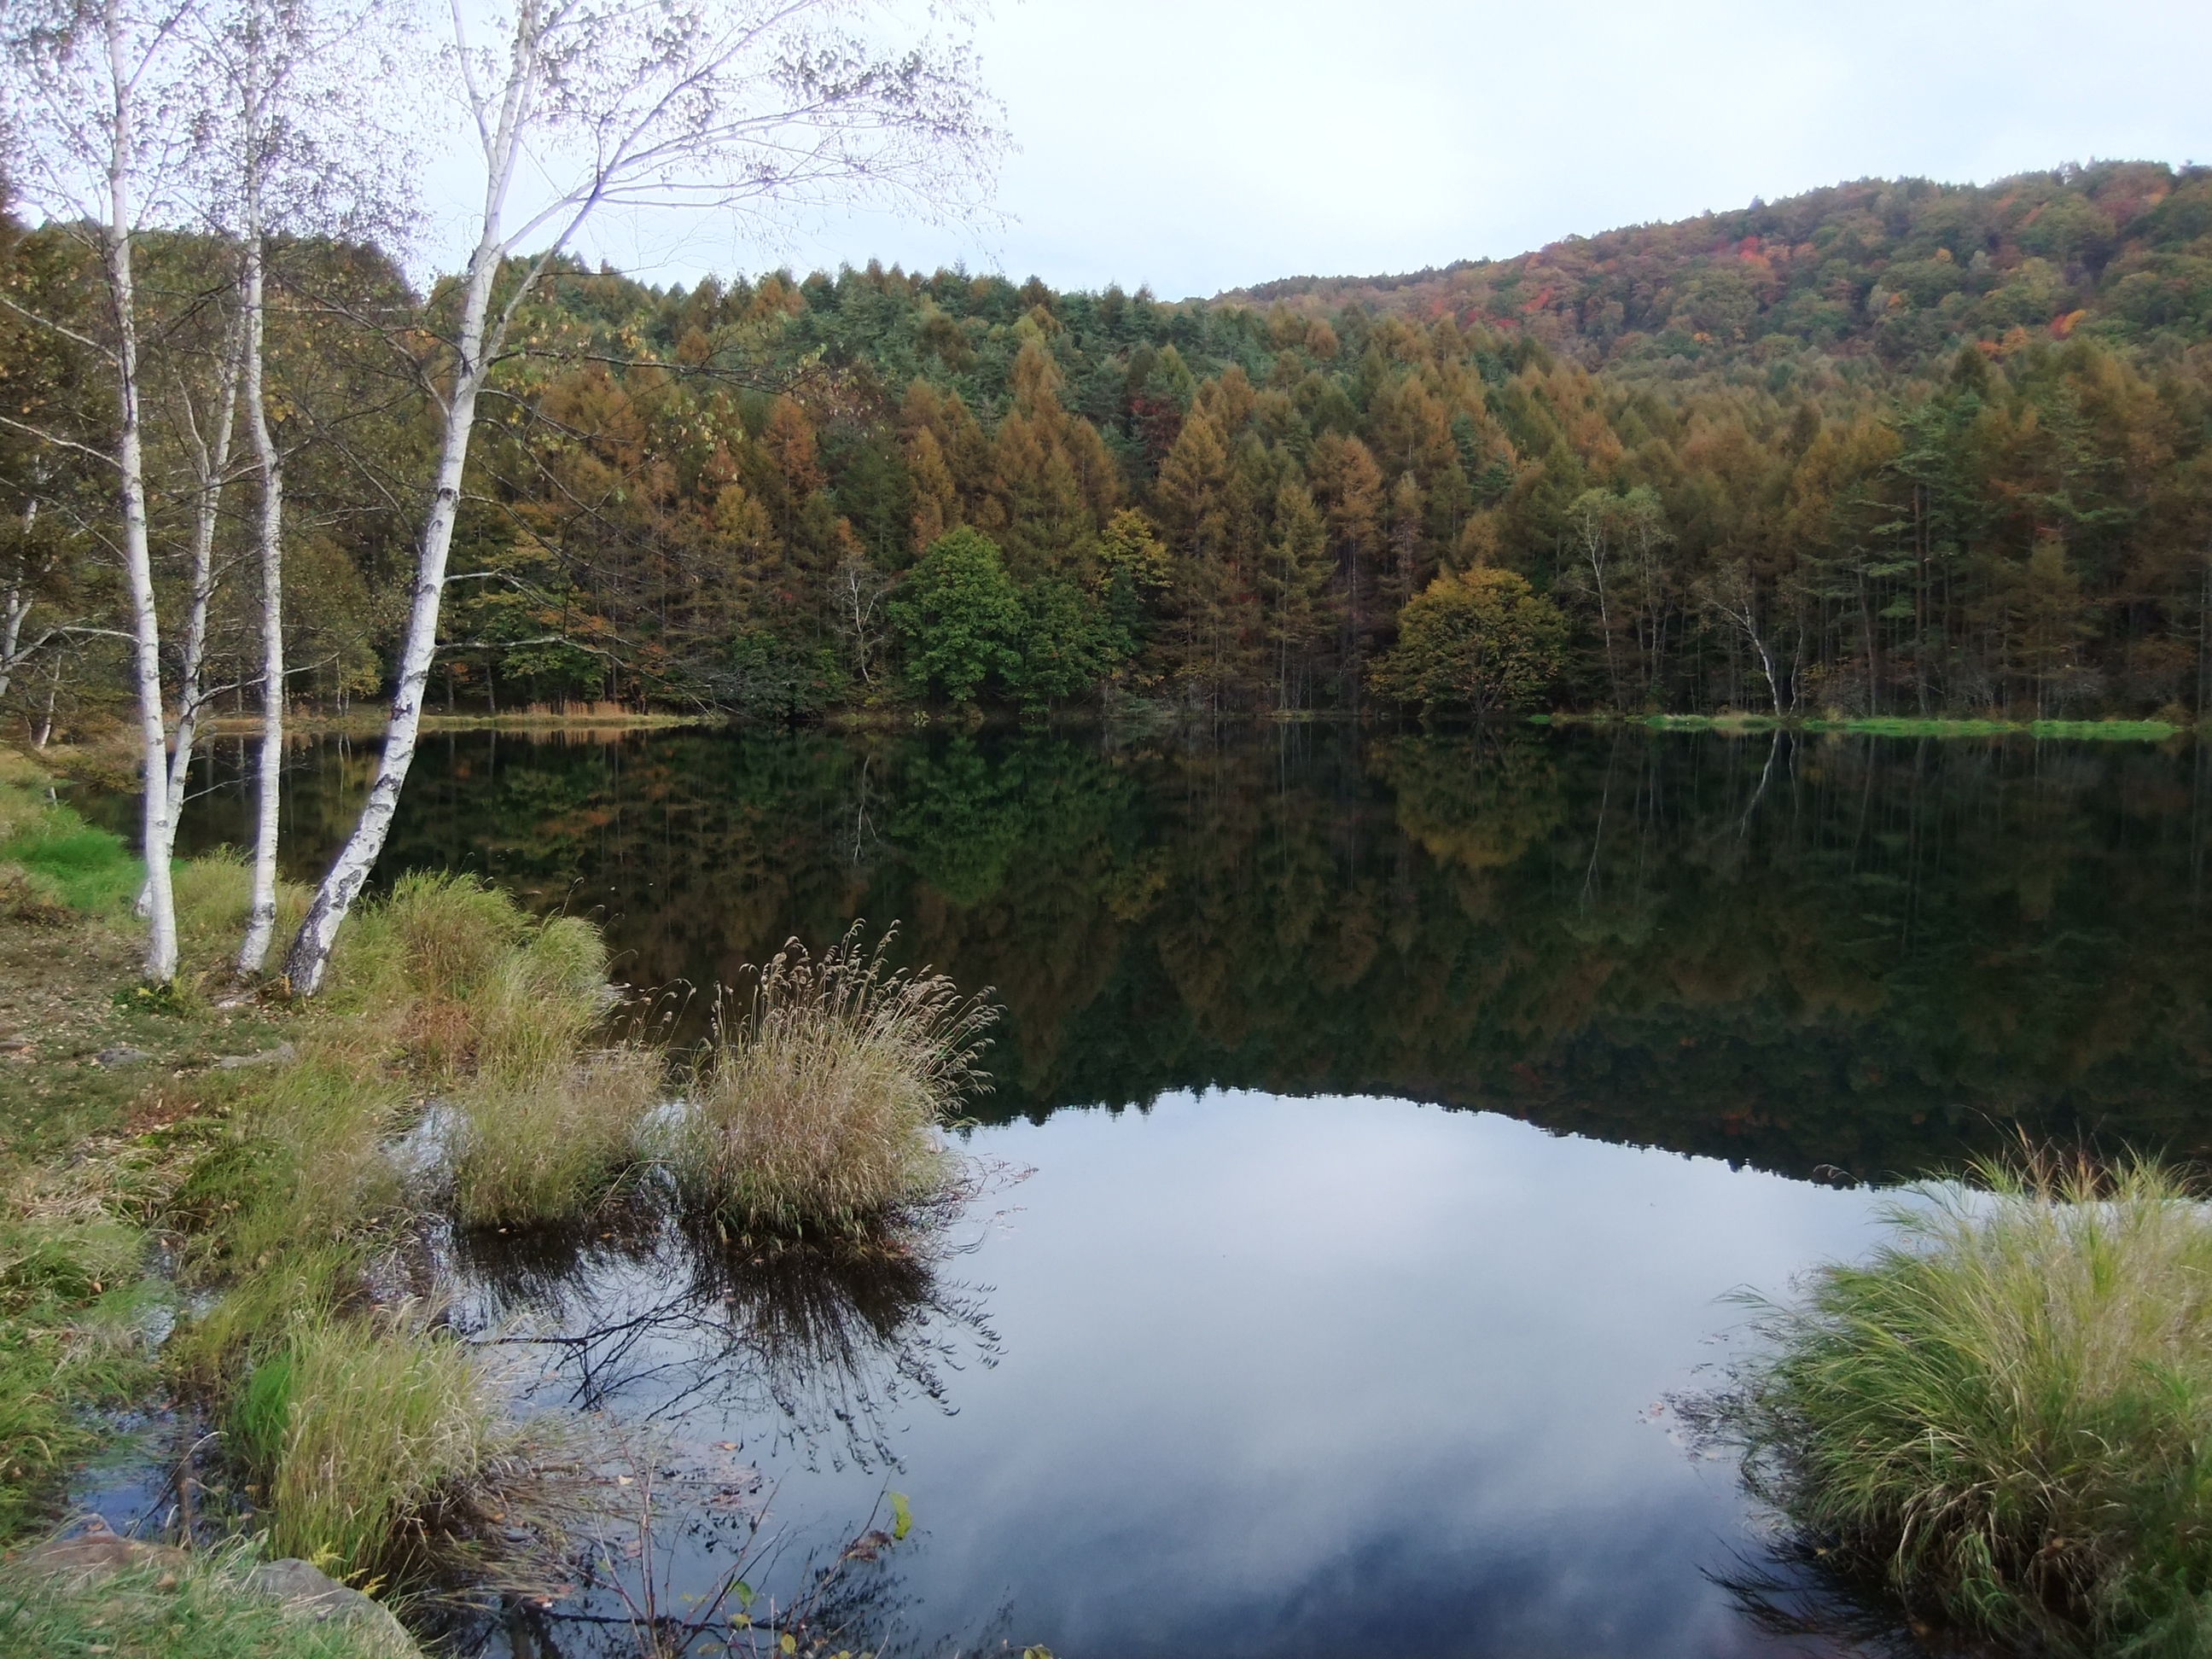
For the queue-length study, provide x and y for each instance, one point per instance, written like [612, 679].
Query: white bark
[212, 464]
[158, 823]
[310, 954]
[1735, 594]
[261, 916]
[53, 691]
[11, 636]
[1593, 530]
[17, 606]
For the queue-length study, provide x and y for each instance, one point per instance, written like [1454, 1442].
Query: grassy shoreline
[372, 722]
[604, 722]
[2108, 730]
[215, 1162]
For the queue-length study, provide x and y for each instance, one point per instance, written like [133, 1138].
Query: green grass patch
[198, 1608]
[358, 1428]
[1900, 725]
[2110, 730]
[84, 868]
[71, 1297]
[2006, 1415]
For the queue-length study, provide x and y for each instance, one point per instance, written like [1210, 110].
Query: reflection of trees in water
[1790, 1592]
[677, 1563]
[685, 1346]
[665, 1325]
[1792, 1584]
[1800, 951]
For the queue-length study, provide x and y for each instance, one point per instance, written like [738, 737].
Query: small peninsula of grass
[2005, 1416]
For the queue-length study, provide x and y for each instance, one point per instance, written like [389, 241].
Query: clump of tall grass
[2007, 1413]
[550, 1122]
[357, 1429]
[214, 895]
[817, 1111]
[301, 1161]
[70, 1301]
[417, 959]
[498, 1012]
[551, 1149]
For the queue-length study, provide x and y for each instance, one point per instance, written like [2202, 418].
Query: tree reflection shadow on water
[1790, 1586]
[694, 1352]
[1791, 1589]
[816, 1345]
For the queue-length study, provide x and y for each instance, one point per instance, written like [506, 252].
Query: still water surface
[1278, 1352]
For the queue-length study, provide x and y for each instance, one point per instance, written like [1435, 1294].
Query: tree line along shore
[1882, 452]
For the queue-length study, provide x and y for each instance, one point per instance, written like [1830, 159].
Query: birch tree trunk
[158, 823]
[1595, 549]
[310, 955]
[53, 691]
[11, 636]
[261, 917]
[17, 607]
[211, 464]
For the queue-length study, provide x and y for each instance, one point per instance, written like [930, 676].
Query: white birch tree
[1731, 593]
[210, 462]
[1590, 523]
[752, 109]
[261, 913]
[210, 459]
[95, 122]
[286, 147]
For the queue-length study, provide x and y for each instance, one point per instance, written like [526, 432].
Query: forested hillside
[1884, 448]
[1901, 268]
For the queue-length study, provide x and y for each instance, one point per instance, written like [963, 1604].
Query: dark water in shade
[1291, 1359]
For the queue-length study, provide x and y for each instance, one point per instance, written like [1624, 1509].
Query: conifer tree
[1295, 582]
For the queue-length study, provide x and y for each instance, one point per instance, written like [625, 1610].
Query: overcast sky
[1196, 145]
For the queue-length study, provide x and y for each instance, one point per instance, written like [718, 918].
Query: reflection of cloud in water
[1280, 1377]
[1291, 1376]
[818, 1346]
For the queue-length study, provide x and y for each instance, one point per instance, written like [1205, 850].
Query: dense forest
[1886, 448]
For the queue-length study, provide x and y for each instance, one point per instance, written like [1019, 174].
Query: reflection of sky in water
[1285, 1376]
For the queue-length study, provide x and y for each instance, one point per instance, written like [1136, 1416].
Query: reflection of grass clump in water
[818, 1112]
[2008, 1414]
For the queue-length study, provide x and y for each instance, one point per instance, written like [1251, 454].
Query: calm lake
[1382, 1123]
